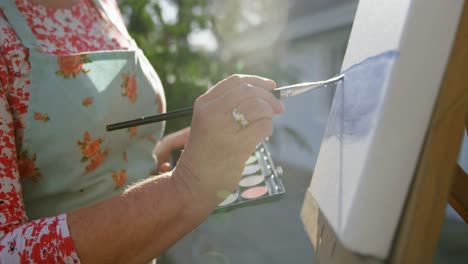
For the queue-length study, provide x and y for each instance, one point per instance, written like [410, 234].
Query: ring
[239, 117]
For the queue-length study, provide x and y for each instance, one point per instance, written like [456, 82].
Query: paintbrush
[280, 93]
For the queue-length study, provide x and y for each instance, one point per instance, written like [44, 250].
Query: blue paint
[358, 98]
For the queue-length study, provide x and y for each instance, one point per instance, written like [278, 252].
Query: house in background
[308, 39]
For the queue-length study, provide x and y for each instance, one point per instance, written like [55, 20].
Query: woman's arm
[146, 219]
[149, 217]
[48, 240]
[140, 224]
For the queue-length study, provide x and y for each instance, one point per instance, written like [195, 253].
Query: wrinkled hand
[215, 155]
[164, 148]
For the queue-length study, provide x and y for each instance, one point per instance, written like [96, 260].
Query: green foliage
[185, 72]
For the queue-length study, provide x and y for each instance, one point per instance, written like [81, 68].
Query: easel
[459, 196]
[416, 239]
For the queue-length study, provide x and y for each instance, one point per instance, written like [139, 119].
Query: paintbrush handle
[151, 119]
[161, 117]
[280, 93]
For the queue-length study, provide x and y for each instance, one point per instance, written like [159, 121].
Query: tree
[185, 71]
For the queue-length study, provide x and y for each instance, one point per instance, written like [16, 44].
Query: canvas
[393, 67]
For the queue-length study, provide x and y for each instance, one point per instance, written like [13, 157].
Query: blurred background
[193, 44]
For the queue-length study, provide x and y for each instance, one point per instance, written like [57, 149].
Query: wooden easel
[416, 239]
[459, 195]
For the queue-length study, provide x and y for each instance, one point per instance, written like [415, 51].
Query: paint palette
[260, 182]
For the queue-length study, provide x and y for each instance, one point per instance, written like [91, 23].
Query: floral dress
[65, 74]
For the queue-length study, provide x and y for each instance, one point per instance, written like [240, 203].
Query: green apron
[72, 98]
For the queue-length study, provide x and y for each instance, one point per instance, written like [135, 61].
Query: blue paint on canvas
[358, 97]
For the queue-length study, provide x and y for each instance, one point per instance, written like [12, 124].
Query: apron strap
[19, 24]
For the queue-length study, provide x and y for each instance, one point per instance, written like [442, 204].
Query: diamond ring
[240, 118]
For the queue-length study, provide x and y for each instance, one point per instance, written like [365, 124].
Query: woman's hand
[218, 145]
[166, 207]
[164, 148]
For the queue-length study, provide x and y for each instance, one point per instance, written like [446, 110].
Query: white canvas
[393, 67]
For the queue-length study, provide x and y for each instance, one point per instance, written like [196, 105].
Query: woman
[67, 68]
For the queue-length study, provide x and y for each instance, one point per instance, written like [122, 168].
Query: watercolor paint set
[260, 182]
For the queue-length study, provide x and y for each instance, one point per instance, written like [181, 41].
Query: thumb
[164, 167]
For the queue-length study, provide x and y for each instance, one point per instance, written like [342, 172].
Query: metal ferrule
[285, 93]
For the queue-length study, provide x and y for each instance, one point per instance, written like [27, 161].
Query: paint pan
[251, 169]
[252, 180]
[254, 192]
[229, 200]
[252, 159]
[260, 182]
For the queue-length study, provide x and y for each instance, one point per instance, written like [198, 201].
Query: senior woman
[70, 191]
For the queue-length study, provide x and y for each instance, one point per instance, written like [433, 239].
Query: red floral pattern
[92, 151]
[27, 167]
[87, 101]
[41, 117]
[132, 131]
[160, 103]
[151, 139]
[45, 240]
[72, 65]
[119, 177]
[130, 87]
[64, 32]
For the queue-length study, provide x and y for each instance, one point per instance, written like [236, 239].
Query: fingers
[256, 132]
[178, 139]
[218, 145]
[259, 114]
[255, 109]
[247, 92]
[255, 103]
[163, 149]
[265, 83]
[164, 167]
[236, 81]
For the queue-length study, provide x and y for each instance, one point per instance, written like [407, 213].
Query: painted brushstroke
[358, 98]
[353, 117]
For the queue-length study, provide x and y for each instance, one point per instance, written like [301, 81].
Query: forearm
[141, 223]
[148, 218]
